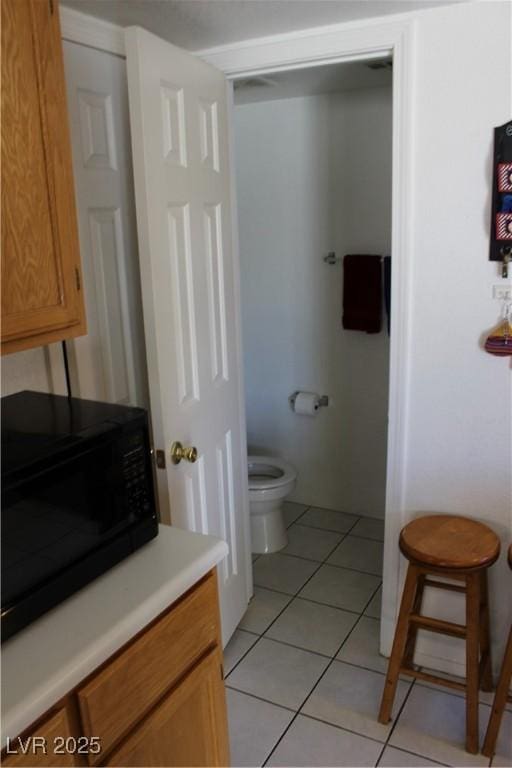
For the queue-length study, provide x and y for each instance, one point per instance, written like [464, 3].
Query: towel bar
[331, 258]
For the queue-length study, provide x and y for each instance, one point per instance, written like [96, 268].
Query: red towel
[362, 293]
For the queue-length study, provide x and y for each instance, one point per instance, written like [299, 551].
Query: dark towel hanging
[387, 290]
[362, 293]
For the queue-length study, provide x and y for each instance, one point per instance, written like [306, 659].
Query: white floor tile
[235, 649]
[254, 728]
[264, 607]
[278, 673]
[350, 697]
[315, 627]
[343, 588]
[292, 511]
[486, 697]
[397, 758]
[328, 519]
[282, 572]
[500, 762]
[311, 543]
[433, 724]
[361, 554]
[310, 743]
[362, 647]
[374, 609]
[369, 528]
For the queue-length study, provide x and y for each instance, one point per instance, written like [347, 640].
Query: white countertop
[47, 659]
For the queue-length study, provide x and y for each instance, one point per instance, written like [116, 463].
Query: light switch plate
[502, 292]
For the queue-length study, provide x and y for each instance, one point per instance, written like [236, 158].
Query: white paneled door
[109, 363]
[190, 294]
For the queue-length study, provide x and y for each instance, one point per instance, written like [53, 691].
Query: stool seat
[449, 541]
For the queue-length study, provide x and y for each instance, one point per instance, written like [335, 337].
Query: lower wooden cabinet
[187, 728]
[48, 745]
[159, 701]
[129, 687]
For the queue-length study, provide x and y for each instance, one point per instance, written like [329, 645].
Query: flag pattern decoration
[504, 177]
[504, 226]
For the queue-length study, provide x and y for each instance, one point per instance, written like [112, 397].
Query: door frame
[352, 41]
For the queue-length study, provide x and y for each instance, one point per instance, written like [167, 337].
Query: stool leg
[413, 631]
[472, 665]
[399, 642]
[500, 699]
[485, 640]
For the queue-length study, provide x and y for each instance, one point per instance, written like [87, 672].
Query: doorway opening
[313, 162]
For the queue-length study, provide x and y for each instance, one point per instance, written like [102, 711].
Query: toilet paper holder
[323, 401]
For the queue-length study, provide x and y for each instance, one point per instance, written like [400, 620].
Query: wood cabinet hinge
[77, 279]
[221, 672]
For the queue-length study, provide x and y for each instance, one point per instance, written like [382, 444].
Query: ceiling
[198, 24]
[331, 78]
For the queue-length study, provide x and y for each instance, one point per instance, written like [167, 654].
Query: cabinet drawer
[53, 731]
[123, 692]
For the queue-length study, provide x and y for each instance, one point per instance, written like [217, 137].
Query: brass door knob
[178, 452]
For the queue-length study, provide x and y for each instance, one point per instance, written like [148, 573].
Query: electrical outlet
[502, 292]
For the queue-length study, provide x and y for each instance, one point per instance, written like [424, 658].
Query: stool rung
[437, 625]
[417, 673]
[432, 678]
[444, 585]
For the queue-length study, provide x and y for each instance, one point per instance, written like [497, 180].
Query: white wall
[314, 175]
[360, 161]
[460, 421]
[26, 370]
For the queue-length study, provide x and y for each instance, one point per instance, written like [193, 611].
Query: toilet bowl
[271, 480]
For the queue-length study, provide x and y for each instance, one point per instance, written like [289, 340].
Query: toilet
[271, 480]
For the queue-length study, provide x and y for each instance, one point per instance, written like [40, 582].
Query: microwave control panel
[137, 477]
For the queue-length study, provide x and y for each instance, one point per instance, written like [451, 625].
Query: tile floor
[303, 672]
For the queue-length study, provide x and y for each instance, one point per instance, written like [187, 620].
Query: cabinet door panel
[122, 693]
[41, 281]
[188, 728]
[56, 727]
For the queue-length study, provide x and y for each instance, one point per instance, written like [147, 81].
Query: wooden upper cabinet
[42, 298]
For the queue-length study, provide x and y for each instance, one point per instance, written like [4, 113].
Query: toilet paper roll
[306, 403]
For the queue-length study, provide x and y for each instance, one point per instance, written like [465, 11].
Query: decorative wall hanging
[501, 219]
[499, 341]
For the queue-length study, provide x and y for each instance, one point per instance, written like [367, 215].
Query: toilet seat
[267, 472]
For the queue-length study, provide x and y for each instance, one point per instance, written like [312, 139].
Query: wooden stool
[459, 549]
[502, 692]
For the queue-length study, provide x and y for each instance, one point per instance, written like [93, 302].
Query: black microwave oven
[77, 497]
